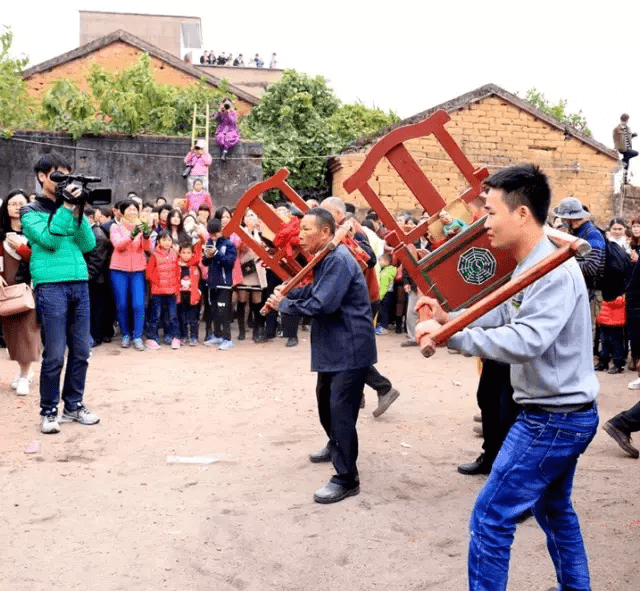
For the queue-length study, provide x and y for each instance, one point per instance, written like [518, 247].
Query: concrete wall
[149, 165]
[495, 133]
[113, 57]
[162, 31]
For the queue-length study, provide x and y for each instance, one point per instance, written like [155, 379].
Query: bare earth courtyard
[101, 508]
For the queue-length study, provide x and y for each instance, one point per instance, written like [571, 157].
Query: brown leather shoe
[622, 439]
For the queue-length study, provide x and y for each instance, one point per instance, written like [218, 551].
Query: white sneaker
[635, 385]
[14, 384]
[82, 415]
[49, 424]
[22, 387]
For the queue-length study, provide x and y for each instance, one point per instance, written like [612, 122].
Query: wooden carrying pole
[339, 236]
[568, 246]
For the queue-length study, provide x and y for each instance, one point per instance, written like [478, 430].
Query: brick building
[119, 50]
[494, 128]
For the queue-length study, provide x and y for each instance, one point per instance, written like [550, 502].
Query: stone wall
[149, 165]
[495, 133]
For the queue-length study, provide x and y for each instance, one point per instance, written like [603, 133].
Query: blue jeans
[129, 287]
[63, 311]
[188, 318]
[158, 302]
[534, 470]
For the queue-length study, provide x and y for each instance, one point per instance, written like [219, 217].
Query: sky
[404, 55]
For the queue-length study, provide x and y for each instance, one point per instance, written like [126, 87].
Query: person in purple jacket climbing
[227, 134]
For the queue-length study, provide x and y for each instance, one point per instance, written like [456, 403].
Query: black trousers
[628, 421]
[339, 395]
[374, 379]
[498, 410]
[97, 298]
[220, 302]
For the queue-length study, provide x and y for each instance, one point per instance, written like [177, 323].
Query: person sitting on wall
[239, 61]
[204, 58]
[257, 60]
[227, 134]
[274, 62]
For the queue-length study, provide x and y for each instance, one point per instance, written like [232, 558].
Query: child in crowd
[386, 277]
[450, 225]
[611, 320]
[219, 256]
[164, 276]
[197, 197]
[189, 294]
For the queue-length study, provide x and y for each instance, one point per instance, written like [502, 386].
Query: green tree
[575, 120]
[300, 122]
[129, 101]
[65, 108]
[15, 105]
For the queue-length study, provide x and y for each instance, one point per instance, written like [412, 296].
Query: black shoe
[292, 342]
[241, 336]
[324, 455]
[480, 466]
[385, 401]
[408, 343]
[362, 401]
[601, 366]
[333, 492]
[106, 340]
[616, 369]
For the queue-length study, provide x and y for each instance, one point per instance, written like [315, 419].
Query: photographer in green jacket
[58, 239]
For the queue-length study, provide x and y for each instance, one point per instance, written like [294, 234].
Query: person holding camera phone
[199, 161]
[220, 257]
[227, 134]
[58, 239]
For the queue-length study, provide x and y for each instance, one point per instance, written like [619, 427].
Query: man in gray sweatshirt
[544, 333]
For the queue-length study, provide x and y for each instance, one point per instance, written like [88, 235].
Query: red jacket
[194, 276]
[163, 272]
[612, 313]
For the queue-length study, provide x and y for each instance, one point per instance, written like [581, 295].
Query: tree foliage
[575, 120]
[128, 101]
[300, 122]
[15, 105]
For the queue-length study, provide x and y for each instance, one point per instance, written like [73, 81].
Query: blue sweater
[342, 333]
[544, 332]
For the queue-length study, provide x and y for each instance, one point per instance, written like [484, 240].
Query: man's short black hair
[323, 218]
[524, 184]
[214, 226]
[349, 207]
[49, 162]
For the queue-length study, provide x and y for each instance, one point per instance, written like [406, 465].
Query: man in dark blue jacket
[343, 346]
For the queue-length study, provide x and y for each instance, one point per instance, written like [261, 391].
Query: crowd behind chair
[163, 275]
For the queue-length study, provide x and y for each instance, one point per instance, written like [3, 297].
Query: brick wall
[495, 133]
[113, 57]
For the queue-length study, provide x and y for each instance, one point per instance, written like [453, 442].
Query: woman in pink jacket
[199, 160]
[130, 238]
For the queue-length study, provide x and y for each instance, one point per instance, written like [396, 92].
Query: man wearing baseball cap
[571, 211]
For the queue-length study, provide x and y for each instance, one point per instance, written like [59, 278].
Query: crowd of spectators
[209, 58]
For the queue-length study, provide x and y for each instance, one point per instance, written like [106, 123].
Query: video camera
[65, 181]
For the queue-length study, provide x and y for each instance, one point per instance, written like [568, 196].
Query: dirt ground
[101, 508]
